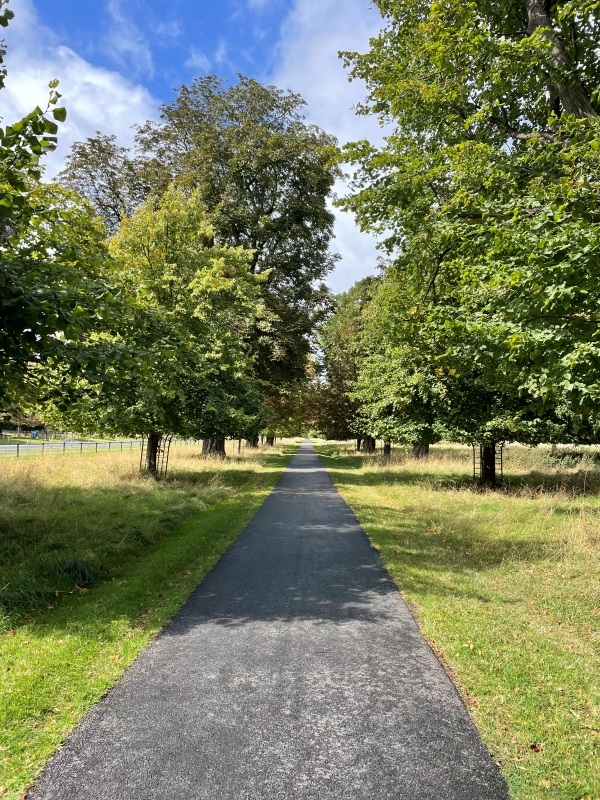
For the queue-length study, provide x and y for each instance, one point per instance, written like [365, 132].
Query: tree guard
[488, 464]
[154, 455]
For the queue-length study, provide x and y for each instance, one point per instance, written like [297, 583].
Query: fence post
[17, 449]
[43, 443]
[96, 446]
[81, 447]
[109, 447]
[64, 447]
[121, 446]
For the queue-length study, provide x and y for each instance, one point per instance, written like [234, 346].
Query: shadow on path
[295, 670]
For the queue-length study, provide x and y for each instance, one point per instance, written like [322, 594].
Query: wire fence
[42, 448]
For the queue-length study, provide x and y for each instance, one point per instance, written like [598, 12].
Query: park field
[505, 586]
[94, 559]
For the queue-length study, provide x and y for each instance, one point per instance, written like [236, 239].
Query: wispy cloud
[221, 54]
[125, 43]
[198, 60]
[170, 29]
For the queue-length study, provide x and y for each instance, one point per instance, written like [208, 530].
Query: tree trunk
[150, 463]
[369, 444]
[568, 84]
[215, 446]
[420, 451]
[252, 441]
[219, 446]
[387, 449]
[358, 444]
[270, 441]
[488, 465]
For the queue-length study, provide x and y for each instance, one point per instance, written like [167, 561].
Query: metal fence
[43, 448]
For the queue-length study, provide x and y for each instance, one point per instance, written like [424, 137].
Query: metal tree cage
[162, 455]
[478, 471]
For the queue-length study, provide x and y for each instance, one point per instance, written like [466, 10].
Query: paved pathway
[295, 670]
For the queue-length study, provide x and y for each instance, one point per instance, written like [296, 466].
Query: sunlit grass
[96, 558]
[506, 586]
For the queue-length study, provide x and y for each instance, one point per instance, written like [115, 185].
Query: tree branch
[568, 84]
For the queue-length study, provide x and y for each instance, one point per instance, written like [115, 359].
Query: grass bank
[506, 586]
[94, 560]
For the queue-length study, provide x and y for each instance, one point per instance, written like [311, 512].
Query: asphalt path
[295, 670]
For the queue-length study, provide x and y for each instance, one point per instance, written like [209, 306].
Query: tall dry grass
[67, 521]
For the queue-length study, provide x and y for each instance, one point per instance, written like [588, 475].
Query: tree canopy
[486, 190]
[265, 178]
[52, 286]
[178, 363]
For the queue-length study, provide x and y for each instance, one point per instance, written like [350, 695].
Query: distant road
[75, 446]
[41, 447]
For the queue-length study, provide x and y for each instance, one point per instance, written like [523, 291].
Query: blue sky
[167, 45]
[118, 60]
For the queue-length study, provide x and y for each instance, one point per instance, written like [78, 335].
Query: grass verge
[505, 585]
[149, 543]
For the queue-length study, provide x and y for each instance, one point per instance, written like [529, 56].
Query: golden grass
[68, 520]
[506, 586]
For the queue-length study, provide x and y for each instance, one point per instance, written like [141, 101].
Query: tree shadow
[347, 583]
[347, 470]
[344, 581]
[60, 544]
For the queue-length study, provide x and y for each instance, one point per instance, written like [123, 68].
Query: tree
[341, 351]
[56, 290]
[178, 363]
[22, 144]
[107, 176]
[50, 248]
[265, 177]
[487, 188]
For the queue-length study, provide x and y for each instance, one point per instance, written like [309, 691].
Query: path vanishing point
[295, 670]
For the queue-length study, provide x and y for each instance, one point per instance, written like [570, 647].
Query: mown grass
[94, 560]
[505, 585]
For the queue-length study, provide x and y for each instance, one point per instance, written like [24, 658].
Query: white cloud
[198, 60]
[96, 99]
[312, 35]
[102, 99]
[171, 29]
[125, 43]
[221, 54]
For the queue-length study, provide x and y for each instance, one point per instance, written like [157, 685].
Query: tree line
[483, 325]
[172, 288]
[175, 287]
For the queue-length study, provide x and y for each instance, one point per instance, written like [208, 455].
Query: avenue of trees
[175, 288]
[484, 325]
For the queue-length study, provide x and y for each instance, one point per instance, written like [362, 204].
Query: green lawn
[94, 560]
[506, 586]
